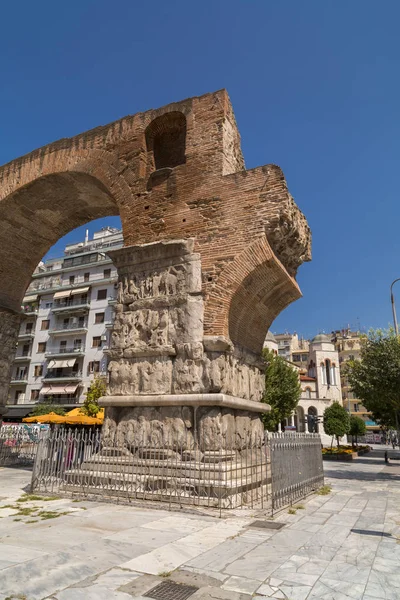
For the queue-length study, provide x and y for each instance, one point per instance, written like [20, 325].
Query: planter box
[343, 456]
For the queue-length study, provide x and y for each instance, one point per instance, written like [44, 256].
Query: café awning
[61, 364]
[83, 290]
[63, 294]
[58, 389]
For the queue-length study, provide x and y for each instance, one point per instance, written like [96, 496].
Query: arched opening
[307, 392]
[166, 140]
[312, 425]
[55, 296]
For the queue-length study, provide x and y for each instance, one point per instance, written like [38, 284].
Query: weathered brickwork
[174, 175]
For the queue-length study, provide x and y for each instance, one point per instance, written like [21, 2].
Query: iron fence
[262, 472]
[296, 467]
[18, 444]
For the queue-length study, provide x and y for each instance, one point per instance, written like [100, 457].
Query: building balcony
[69, 328]
[22, 357]
[30, 311]
[19, 380]
[112, 300]
[26, 335]
[67, 351]
[72, 307]
[49, 377]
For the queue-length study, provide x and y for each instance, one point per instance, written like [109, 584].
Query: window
[35, 394]
[38, 371]
[25, 350]
[78, 343]
[41, 347]
[63, 345]
[107, 273]
[71, 279]
[99, 317]
[308, 392]
[86, 277]
[96, 343]
[351, 356]
[45, 325]
[101, 294]
[48, 304]
[94, 366]
[328, 372]
[28, 328]
[323, 373]
[296, 358]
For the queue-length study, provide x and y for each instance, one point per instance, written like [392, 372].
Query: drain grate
[169, 590]
[267, 525]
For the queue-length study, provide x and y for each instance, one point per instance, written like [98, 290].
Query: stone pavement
[339, 546]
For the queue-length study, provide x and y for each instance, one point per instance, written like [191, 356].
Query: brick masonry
[172, 173]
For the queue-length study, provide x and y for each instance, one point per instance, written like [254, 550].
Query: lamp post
[396, 329]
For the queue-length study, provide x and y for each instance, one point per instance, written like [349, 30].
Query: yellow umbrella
[49, 418]
[75, 412]
[82, 420]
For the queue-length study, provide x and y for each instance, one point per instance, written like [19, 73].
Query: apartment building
[293, 349]
[68, 315]
[348, 345]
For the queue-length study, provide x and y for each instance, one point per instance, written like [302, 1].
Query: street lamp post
[396, 329]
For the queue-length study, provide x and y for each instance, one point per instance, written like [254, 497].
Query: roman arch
[210, 256]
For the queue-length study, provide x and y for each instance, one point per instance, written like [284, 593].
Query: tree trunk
[332, 442]
[337, 439]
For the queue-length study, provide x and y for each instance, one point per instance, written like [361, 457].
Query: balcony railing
[26, 334]
[66, 350]
[63, 376]
[19, 379]
[69, 327]
[22, 357]
[30, 310]
[77, 304]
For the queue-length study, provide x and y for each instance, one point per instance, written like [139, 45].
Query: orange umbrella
[49, 418]
[76, 412]
[82, 420]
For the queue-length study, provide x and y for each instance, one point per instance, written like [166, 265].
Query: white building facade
[68, 314]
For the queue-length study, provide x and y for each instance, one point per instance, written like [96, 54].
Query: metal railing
[65, 327]
[65, 350]
[71, 303]
[178, 469]
[18, 444]
[74, 375]
[296, 467]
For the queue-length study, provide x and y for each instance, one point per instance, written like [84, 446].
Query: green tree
[375, 378]
[357, 427]
[44, 408]
[336, 421]
[96, 390]
[282, 390]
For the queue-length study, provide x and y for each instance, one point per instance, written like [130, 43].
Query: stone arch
[36, 215]
[248, 295]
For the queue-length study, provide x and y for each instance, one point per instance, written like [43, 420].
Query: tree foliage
[282, 389]
[44, 408]
[336, 421]
[357, 427]
[96, 390]
[375, 378]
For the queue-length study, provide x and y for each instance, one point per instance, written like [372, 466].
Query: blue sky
[315, 88]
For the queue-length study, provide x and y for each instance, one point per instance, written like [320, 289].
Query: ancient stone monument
[210, 259]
